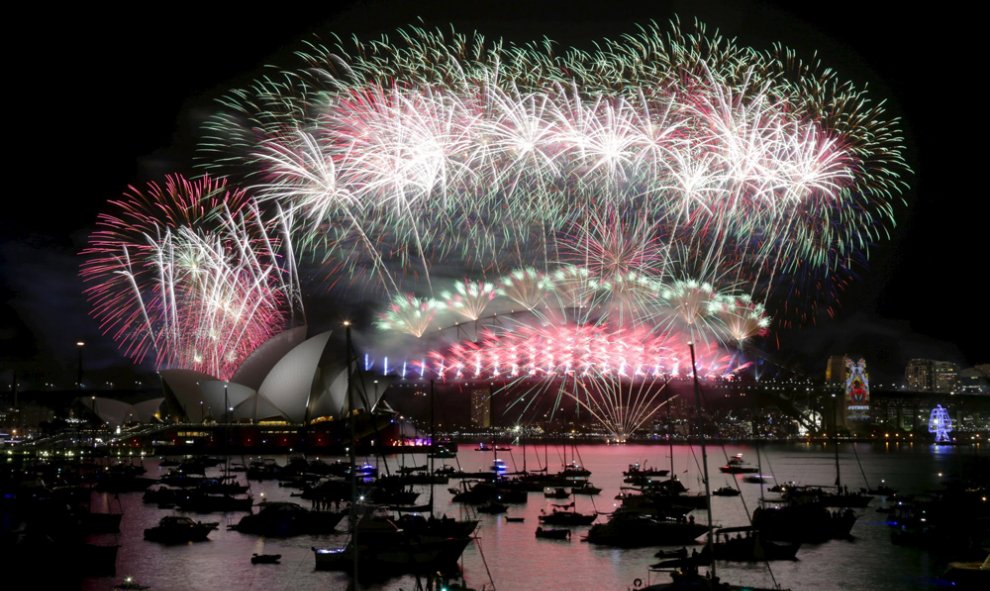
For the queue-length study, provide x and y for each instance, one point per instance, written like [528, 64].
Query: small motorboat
[756, 478]
[725, 491]
[265, 558]
[680, 553]
[178, 529]
[553, 534]
[566, 515]
[130, 584]
[969, 575]
[737, 465]
[515, 519]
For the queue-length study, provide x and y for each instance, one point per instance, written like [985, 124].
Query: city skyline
[899, 309]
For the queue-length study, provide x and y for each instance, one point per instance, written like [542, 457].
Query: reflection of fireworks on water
[192, 274]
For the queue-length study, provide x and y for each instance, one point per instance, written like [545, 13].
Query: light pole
[96, 419]
[79, 374]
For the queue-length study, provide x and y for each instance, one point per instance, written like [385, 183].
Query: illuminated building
[928, 375]
[481, 409]
[289, 377]
[918, 375]
[857, 398]
[835, 370]
[944, 374]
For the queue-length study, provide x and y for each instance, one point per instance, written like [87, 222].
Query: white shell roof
[290, 384]
[260, 362]
[294, 377]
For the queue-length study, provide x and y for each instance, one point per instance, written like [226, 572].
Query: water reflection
[518, 561]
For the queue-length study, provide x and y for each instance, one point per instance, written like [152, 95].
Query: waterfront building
[972, 381]
[944, 374]
[857, 395]
[835, 370]
[930, 375]
[481, 408]
[918, 375]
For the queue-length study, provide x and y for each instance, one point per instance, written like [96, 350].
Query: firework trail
[190, 274]
[664, 188]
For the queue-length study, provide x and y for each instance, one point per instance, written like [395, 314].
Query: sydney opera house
[291, 387]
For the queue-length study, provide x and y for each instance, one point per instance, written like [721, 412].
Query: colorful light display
[585, 214]
[191, 274]
[940, 424]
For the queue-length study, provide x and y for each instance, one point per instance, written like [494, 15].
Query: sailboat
[686, 575]
[805, 517]
[381, 546]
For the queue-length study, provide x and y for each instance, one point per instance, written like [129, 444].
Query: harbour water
[518, 561]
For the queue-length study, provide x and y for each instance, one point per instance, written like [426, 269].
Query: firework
[443, 149]
[409, 314]
[581, 191]
[469, 299]
[742, 318]
[191, 274]
[526, 287]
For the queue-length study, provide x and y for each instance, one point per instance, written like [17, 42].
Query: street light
[96, 419]
[79, 346]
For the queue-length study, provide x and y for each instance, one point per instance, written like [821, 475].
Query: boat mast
[670, 438]
[351, 455]
[433, 445]
[491, 426]
[835, 440]
[759, 461]
[704, 460]
[524, 455]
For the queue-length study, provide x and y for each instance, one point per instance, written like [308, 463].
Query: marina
[518, 560]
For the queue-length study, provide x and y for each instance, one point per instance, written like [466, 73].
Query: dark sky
[94, 105]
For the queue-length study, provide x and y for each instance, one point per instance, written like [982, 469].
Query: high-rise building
[919, 375]
[835, 370]
[944, 376]
[929, 375]
[972, 381]
[481, 408]
[857, 391]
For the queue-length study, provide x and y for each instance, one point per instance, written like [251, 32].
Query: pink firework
[572, 351]
[190, 274]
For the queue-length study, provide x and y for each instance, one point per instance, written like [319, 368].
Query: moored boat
[265, 558]
[129, 584]
[566, 515]
[736, 465]
[553, 534]
[177, 529]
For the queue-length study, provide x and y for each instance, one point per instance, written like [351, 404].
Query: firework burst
[578, 190]
[191, 274]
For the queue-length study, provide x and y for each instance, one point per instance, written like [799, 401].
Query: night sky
[93, 106]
